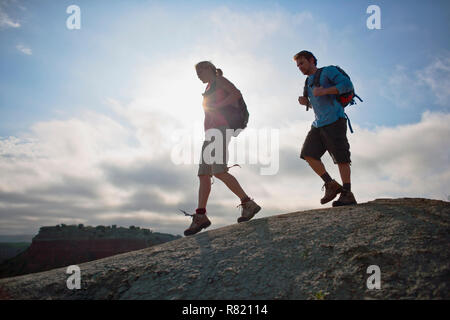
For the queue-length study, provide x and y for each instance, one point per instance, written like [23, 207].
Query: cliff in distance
[314, 254]
[65, 245]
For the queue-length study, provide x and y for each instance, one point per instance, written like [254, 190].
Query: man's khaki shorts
[331, 138]
[214, 156]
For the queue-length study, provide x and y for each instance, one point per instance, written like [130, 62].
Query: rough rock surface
[315, 254]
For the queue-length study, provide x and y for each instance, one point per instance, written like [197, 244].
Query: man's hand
[303, 100]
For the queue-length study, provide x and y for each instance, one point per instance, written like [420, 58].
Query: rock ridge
[313, 254]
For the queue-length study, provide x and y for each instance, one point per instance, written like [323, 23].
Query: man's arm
[342, 83]
[320, 91]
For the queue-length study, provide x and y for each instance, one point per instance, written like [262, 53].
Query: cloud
[99, 169]
[431, 84]
[24, 49]
[241, 30]
[143, 174]
[408, 160]
[81, 172]
[437, 76]
[6, 21]
[85, 170]
[404, 88]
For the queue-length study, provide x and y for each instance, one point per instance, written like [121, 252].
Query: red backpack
[344, 99]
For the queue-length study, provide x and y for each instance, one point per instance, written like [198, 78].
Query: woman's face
[205, 74]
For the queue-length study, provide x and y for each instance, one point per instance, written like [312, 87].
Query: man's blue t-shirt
[326, 108]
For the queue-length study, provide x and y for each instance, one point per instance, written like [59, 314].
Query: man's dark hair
[305, 54]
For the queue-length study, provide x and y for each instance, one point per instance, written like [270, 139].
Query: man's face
[304, 65]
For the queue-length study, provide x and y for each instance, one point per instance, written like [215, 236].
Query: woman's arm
[233, 93]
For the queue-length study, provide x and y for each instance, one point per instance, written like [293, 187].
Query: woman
[219, 93]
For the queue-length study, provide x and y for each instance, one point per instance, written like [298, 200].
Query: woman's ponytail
[208, 64]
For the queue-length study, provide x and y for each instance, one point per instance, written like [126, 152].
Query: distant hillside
[314, 254]
[64, 245]
[16, 238]
[9, 250]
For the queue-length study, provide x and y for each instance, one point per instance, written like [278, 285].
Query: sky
[92, 119]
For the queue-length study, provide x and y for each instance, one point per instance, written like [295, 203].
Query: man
[329, 129]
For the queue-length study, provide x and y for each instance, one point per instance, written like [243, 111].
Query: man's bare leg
[316, 165]
[332, 188]
[344, 170]
[347, 197]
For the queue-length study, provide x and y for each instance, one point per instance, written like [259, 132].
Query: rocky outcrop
[64, 245]
[315, 254]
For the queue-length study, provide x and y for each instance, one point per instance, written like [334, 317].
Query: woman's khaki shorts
[214, 156]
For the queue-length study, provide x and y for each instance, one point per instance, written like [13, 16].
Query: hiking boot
[249, 209]
[347, 198]
[199, 222]
[332, 189]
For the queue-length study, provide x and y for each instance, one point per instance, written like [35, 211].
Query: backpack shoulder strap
[211, 89]
[305, 93]
[305, 88]
[317, 77]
